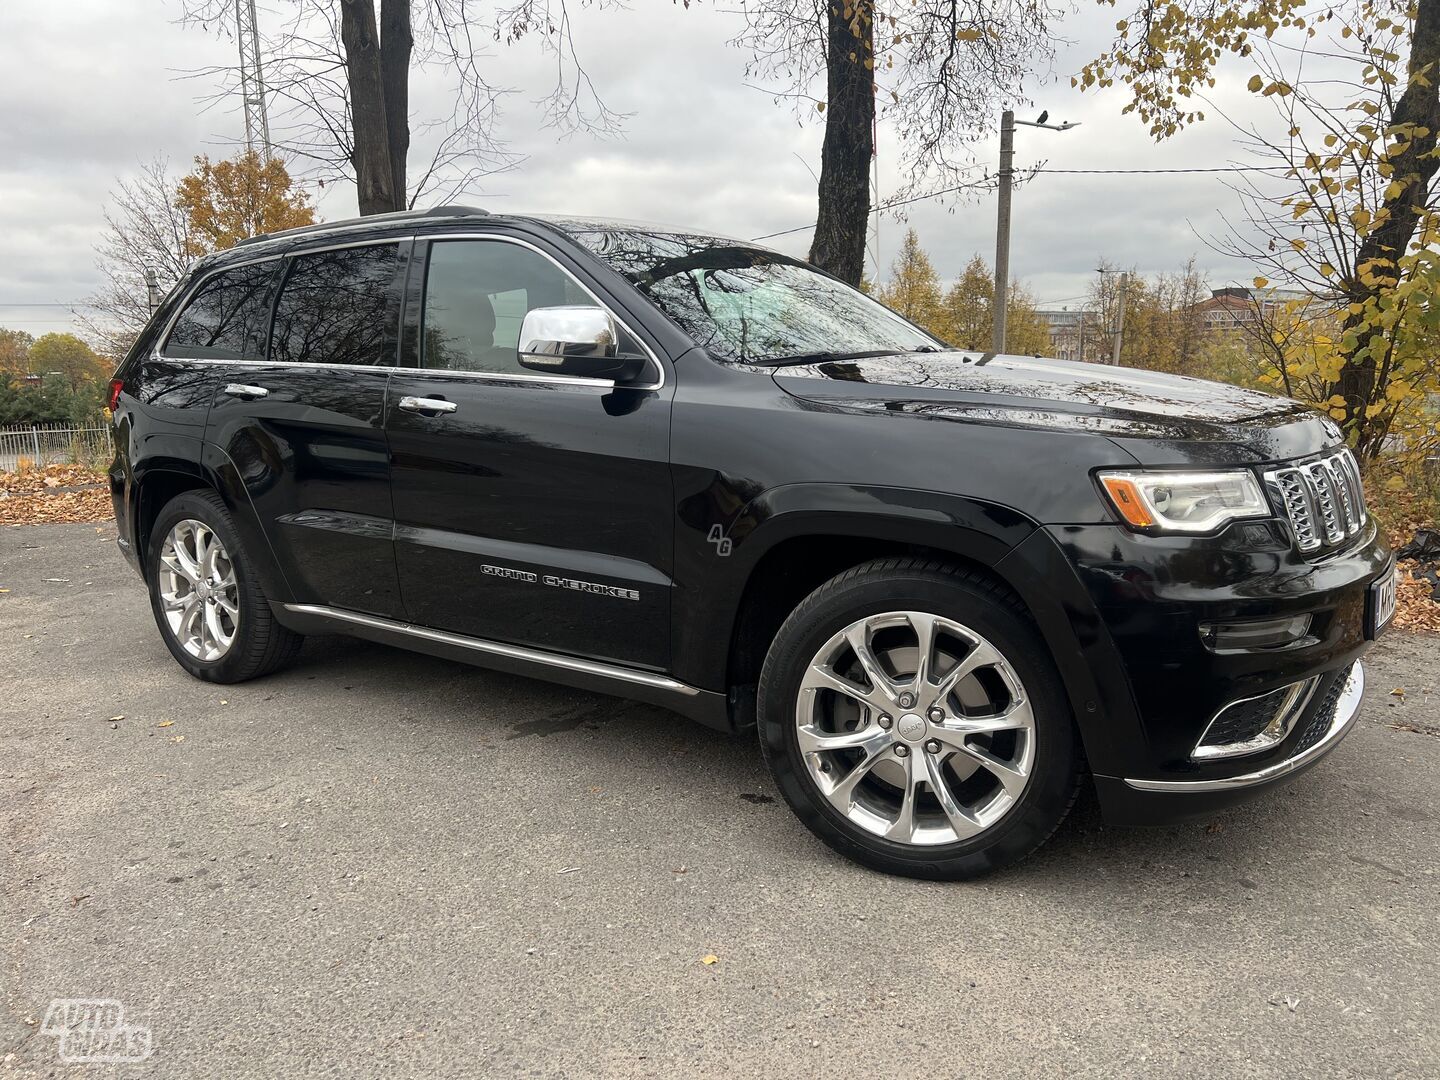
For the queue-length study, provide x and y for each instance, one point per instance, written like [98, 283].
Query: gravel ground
[378, 862]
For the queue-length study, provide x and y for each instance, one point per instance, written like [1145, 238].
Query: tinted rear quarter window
[226, 319]
[339, 307]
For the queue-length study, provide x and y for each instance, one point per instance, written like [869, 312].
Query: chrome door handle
[240, 390]
[427, 404]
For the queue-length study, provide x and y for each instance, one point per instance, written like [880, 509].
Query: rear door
[302, 429]
[534, 510]
[222, 322]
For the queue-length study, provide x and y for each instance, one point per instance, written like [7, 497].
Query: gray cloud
[90, 87]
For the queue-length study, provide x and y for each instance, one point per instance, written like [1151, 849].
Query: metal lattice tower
[252, 80]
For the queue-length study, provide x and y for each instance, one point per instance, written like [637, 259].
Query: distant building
[1074, 335]
[1229, 310]
[1080, 334]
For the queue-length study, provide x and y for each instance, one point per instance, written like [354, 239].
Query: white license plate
[1382, 601]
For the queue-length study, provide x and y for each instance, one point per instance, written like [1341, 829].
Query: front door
[529, 509]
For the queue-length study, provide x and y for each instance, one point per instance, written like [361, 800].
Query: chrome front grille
[1323, 500]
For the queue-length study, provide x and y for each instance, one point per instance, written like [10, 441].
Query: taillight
[116, 385]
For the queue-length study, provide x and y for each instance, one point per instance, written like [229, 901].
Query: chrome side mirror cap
[581, 342]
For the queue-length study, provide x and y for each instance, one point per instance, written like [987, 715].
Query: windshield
[748, 304]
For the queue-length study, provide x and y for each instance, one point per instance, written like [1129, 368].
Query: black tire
[261, 645]
[977, 602]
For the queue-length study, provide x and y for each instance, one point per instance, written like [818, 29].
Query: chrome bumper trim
[1347, 707]
[1291, 708]
[495, 648]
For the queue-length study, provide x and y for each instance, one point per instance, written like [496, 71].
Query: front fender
[718, 550]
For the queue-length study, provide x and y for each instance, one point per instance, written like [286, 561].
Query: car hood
[1157, 417]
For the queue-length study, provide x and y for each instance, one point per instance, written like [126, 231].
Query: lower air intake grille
[1320, 722]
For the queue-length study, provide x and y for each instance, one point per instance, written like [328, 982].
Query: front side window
[339, 307]
[477, 293]
[747, 304]
[225, 319]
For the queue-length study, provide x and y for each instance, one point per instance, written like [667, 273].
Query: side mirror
[575, 341]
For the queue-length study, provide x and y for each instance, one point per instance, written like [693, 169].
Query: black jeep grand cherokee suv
[692, 471]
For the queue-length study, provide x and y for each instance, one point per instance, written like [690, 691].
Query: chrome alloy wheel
[915, 728]
[198, 593]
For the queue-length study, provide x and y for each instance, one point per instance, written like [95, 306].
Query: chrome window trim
[496, 648]
[388, 369]
[486, 376]
[434, 237]
[1347, 709]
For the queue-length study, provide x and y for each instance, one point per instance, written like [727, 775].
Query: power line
[1042, 169]
[1141, 172]
[884, 206]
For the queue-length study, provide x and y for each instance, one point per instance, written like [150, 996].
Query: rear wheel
[912, 718]
[205, 595]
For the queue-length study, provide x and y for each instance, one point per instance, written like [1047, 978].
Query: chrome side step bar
[519, 653]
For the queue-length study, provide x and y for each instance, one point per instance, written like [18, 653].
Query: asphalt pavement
[377, 863]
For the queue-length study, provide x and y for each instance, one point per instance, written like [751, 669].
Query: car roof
[267, 245]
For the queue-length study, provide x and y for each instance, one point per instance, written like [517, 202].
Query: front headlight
[1184, 502]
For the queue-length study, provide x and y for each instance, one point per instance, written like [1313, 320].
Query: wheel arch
[159, 481]
[155, 483]
[791, 540]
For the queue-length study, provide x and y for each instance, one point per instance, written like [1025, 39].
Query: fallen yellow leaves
[54, 495]
[1414, 607]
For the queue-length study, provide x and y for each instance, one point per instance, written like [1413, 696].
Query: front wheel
[206, 597]
[913, 719]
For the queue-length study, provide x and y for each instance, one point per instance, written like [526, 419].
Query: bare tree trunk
[396, 43]
[374, 175]
[1419, 105]
[839, 243]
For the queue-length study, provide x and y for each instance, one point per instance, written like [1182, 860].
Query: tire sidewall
[1046, 798]
[206, 508]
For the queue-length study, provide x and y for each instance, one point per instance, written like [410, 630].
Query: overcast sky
[89, 88]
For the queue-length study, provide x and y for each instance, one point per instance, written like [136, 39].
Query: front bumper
[1161, 802]
[1141, 612]
[1132, 801]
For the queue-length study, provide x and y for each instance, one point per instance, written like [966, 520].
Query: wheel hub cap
[911, 728]
[917, 781]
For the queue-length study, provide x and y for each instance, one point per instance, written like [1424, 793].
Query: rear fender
[224, 476]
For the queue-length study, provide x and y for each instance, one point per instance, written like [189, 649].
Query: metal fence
[52, 444]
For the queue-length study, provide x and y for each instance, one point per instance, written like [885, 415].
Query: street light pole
[1000, 307]
[1120, 318]
[1117, 317]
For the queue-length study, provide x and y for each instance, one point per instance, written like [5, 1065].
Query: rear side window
[339, 307]
[476, 295]
[225, 319]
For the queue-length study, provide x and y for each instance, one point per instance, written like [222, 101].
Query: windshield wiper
[821, 357]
